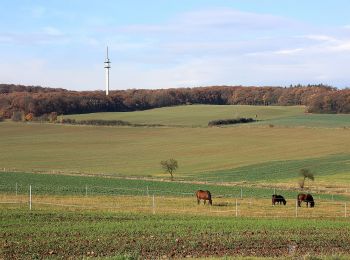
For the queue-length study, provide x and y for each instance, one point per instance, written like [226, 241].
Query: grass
[200, 115]
[194, 115]
[313, 120]
[66, 234]
[327, 166]
[138, 151]
[62, 185]
[81, 217]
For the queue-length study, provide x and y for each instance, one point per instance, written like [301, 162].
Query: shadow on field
[221, 204]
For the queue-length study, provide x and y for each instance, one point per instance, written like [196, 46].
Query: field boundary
[156, 202]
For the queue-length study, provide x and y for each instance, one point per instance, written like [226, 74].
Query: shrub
[29, 117]
[53, 117]
[239, 120]
[17, 116]
[68, 121]
[43, 117]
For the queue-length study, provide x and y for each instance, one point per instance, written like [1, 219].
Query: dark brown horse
[307, 198]
[203, 195]
[279, 199]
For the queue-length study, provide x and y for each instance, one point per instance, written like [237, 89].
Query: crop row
[42, 234]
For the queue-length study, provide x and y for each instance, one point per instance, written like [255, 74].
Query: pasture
[200, 115]
[100, 191]
[81, 216]
[195, 115]
[222, 154]
[51, 232]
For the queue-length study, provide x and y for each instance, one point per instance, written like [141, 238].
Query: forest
[38, 101]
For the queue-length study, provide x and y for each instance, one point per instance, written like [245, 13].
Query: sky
[174, 43]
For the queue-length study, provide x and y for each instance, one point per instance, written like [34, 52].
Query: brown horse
[279, 199]
[307, 198]
[203, 195]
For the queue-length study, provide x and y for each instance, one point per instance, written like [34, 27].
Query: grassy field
[195, 115]
[112, 218]
[138, 151]
[200, 115]
[87, 208]
[62, 185]
[50, 233]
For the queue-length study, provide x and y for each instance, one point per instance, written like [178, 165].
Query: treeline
[39, 101]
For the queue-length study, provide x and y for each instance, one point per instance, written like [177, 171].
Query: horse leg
[299, 203]
[198, 201]
[205, 201]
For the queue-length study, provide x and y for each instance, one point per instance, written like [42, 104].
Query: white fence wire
[160, 201]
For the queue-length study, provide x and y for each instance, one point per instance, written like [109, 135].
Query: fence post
[296, 208]
[30, 197]
[16, 189]
[274, 191]
[183, 202]
[241, 193]
[345, 210]
[236, 208]
[85, 190]
[147, 192]
[153, 205]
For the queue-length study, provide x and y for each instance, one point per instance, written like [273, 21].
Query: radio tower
[107, 67]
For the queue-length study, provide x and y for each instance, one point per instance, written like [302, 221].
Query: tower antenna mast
[107, 67]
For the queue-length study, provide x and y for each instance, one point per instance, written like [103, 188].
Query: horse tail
[209, 194]
[312, 202]
[209, 198]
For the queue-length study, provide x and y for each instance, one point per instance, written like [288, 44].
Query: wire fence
[208, 180]
[161, 201]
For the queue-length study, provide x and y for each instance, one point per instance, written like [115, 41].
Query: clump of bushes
[96, 122]
[240, 120]
[101, 122]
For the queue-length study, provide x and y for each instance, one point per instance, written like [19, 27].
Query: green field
[60, 234]
[255, 152]
[195, 115]
[58, 184]
[86, 207]
[200, 115]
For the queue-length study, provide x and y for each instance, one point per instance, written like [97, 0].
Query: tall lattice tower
[107, 67]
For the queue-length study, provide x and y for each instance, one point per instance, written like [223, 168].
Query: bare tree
[169, 166]
[305, 174]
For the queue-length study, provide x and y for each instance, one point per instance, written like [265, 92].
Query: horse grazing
[307, 198]
[203, 195]
[279, 199]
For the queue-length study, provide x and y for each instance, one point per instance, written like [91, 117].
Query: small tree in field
[169, 166]
[305, 174]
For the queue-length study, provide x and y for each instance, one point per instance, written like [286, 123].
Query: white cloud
[289, 51]
[51, 31]
[322, 38]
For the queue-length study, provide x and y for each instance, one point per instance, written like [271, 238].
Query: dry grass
[246, 207]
